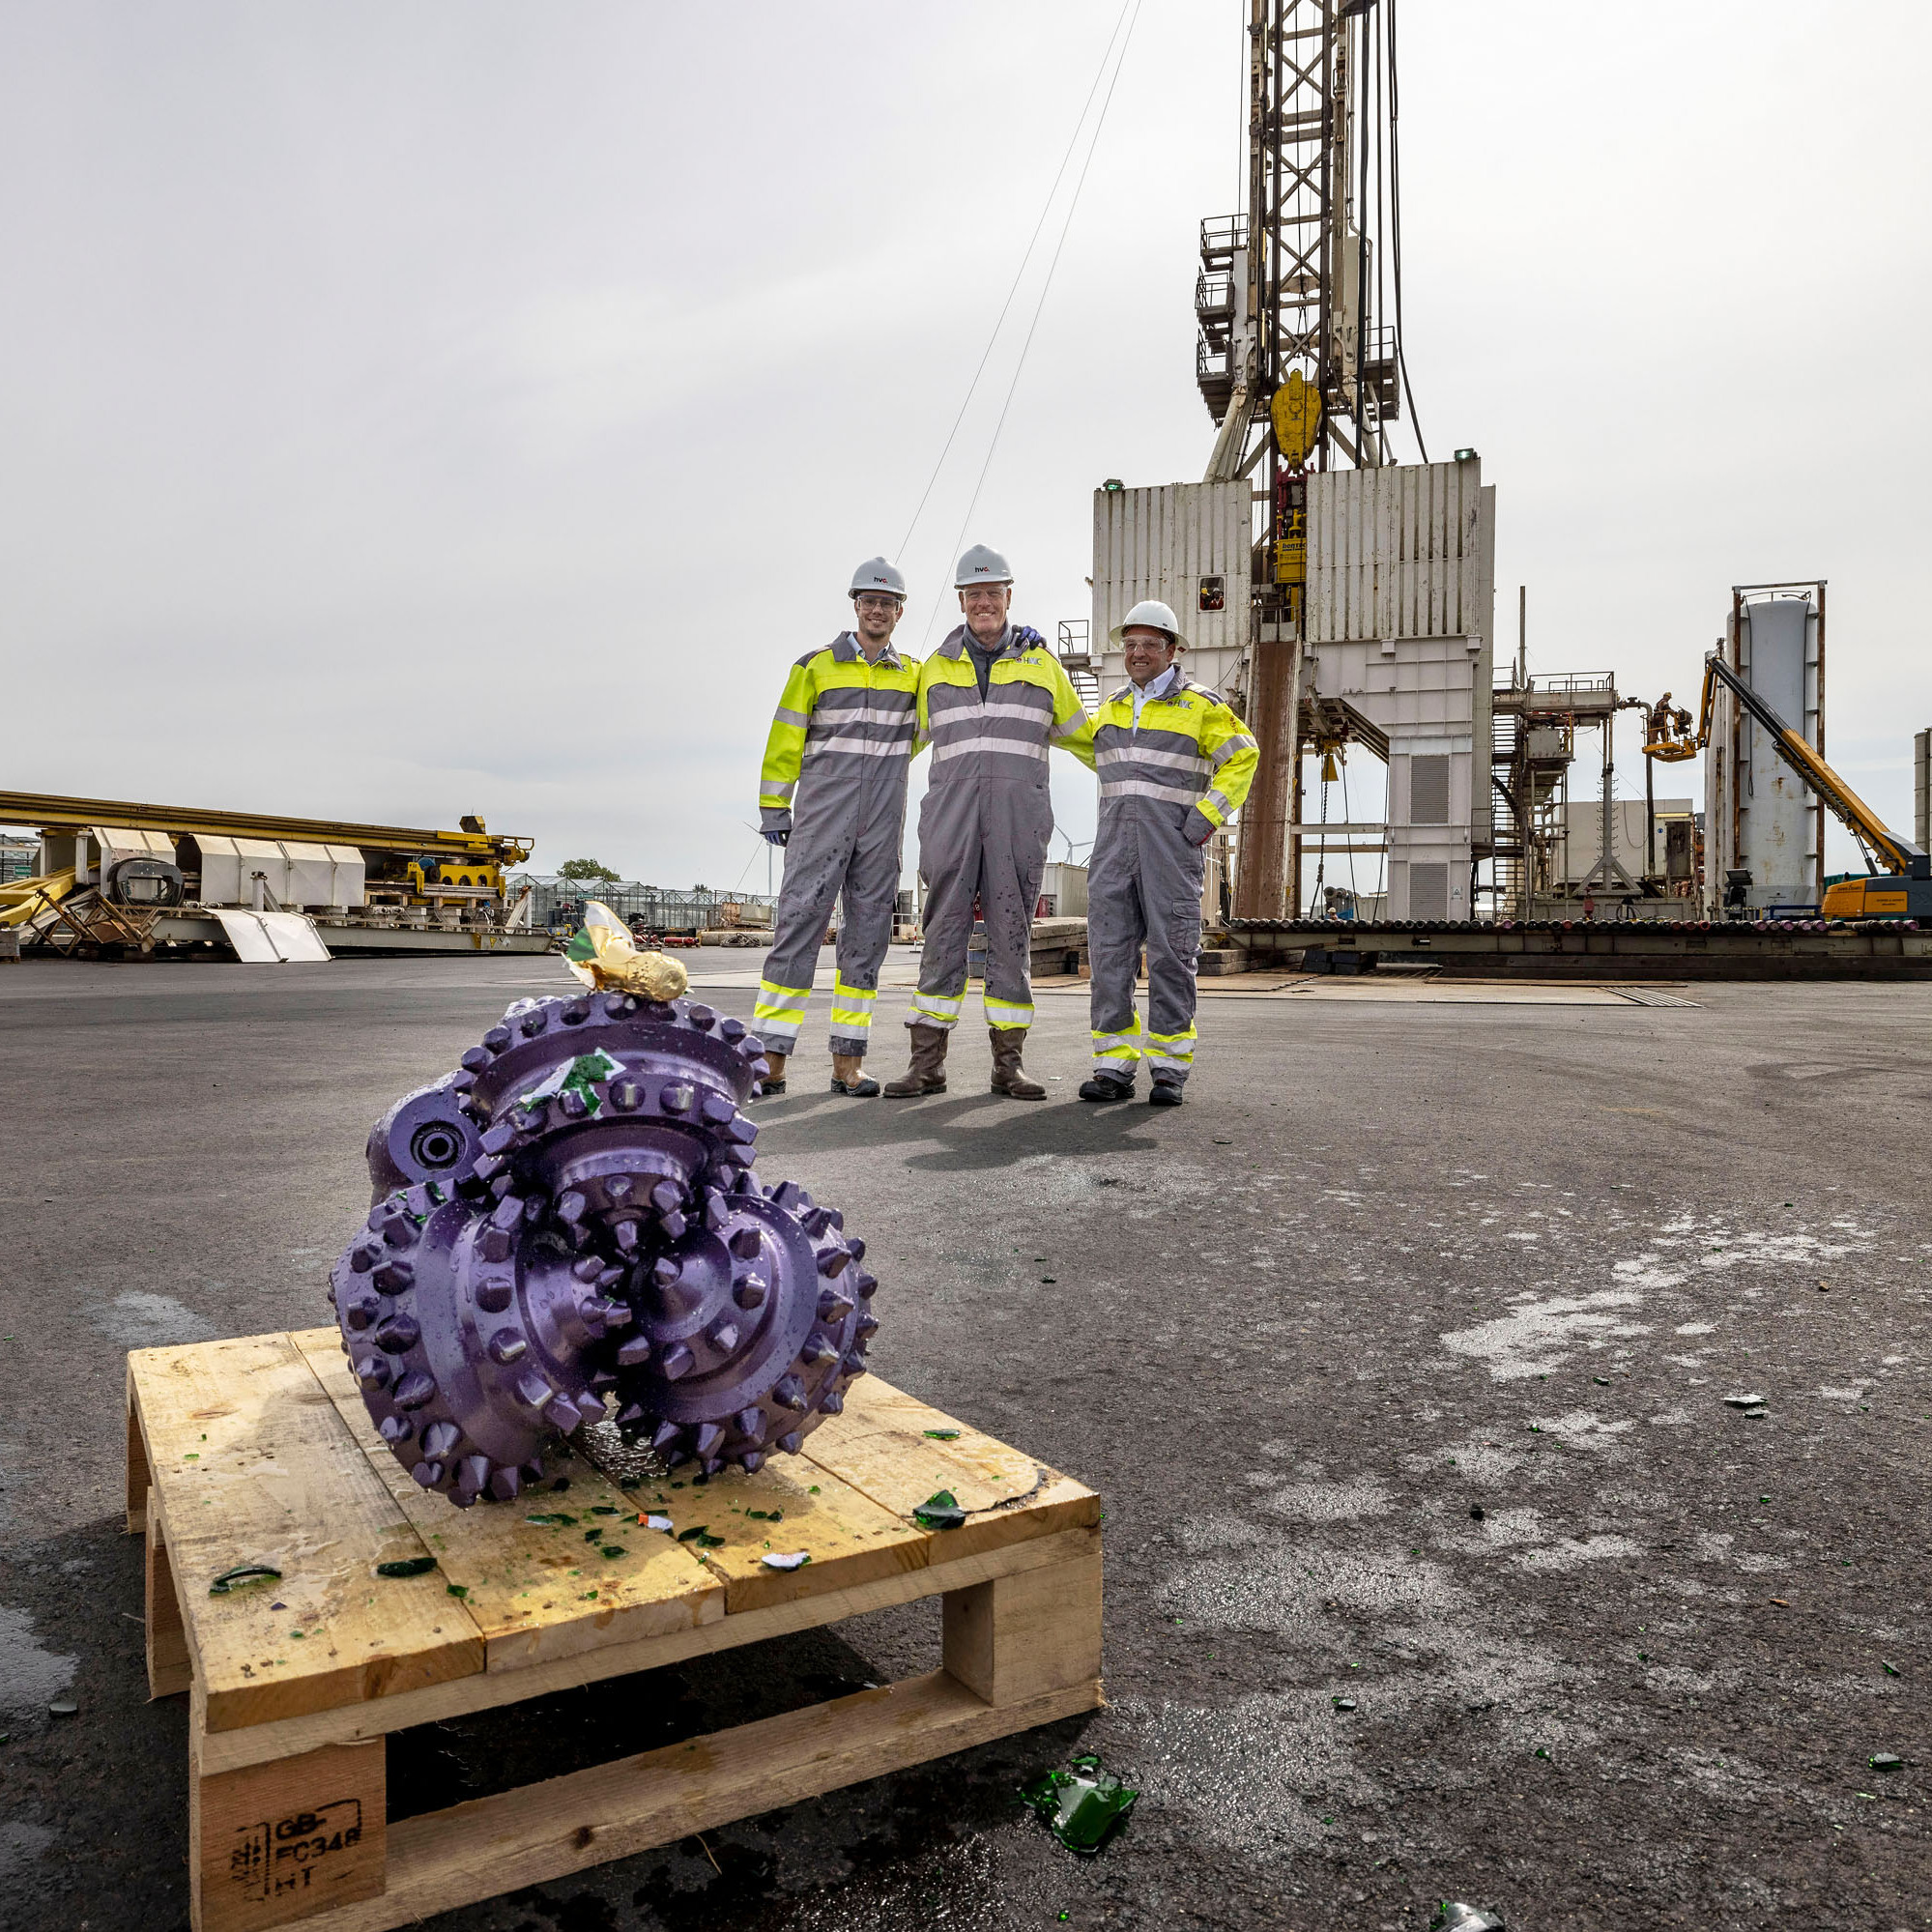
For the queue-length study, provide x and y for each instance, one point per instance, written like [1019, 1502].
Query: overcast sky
[413, 411]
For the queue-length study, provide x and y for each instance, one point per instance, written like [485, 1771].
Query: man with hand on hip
[1174, 764]
[833, 794]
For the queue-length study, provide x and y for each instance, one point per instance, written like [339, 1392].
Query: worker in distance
[1174, 764]
[993, 702]
[832, 792]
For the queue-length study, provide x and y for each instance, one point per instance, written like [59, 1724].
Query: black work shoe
[1101, 1088]
[765, 1088]
[1165, 1093]
[865, 1087]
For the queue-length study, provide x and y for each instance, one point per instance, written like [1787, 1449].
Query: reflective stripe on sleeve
[777, 794]
[1228, 748]
[785, 715]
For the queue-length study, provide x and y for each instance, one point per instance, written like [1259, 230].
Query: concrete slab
[1399, 1355]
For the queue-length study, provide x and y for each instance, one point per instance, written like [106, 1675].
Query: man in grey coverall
[1175, 763]
[833, 792]
[993, 700]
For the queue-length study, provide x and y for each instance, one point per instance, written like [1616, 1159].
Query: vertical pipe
[1821, 739]
[1607, 856]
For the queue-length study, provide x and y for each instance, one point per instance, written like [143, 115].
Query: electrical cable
[1019, 275]
[1046, 288]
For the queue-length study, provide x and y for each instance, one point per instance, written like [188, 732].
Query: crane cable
[1018, 274]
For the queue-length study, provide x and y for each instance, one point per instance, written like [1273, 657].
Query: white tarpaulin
[268, 938]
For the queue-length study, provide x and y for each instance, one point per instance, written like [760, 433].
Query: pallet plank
[489, 1691]
[492, 1845]
[536, 1591]
[850, 1539]
[250, 1464]
[879, 1446]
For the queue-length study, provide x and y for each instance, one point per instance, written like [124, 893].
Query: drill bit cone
[593, 1227]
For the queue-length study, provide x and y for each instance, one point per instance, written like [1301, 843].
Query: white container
[1188, 545]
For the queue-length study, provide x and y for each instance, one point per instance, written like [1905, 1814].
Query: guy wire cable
[1046, 208]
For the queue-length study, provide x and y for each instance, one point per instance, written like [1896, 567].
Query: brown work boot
[927, 1072]
[1009, 1077]
[849, 1077]
[774, 1077]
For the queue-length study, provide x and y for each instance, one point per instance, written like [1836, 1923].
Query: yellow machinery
[1903, 891]
[140, 876]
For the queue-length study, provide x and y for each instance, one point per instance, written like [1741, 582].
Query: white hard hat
[982, 565]
[1155, 616]
[877, 575]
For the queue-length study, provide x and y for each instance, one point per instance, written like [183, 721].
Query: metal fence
[560, 902]
[19, 859]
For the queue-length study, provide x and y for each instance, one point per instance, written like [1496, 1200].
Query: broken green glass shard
[1082, 1804]
[407, 1566]
[1885, 1761]
[940, 1511]
[580, 948]
[1453, 1915]
[555, 1517]
[581, 1075]
[943, 1434]
[241, 1577]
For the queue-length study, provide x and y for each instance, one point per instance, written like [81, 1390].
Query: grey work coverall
[986, 819]
[1144, 881]
[845, 728]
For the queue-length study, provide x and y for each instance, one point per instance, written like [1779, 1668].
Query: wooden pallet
[260, 1451]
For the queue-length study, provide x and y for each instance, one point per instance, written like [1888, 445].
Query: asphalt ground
[1398, 1355]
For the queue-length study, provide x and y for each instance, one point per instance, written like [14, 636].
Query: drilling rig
[1299, 355]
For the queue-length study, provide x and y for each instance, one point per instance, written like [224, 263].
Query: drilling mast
[1298, 356]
